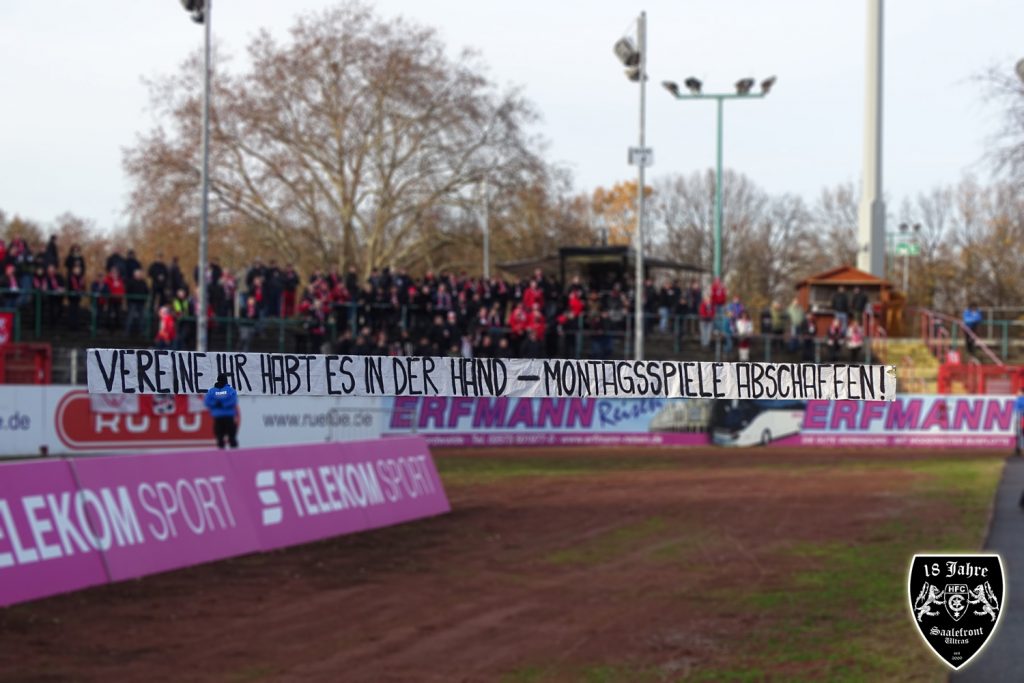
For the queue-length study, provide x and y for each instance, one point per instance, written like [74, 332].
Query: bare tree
[834, 226]
[1006, 149]
[351, 143]
[683, 212]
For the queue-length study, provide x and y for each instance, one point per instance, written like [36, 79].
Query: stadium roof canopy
[573, 259]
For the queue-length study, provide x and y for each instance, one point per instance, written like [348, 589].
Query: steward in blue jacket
[1018, 422]
[222, 402]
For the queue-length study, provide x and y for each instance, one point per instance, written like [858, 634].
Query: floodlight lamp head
[671, 86]
[766, 85]
[693, 85]
[744, 85]
[626, 52]
[1020, 70]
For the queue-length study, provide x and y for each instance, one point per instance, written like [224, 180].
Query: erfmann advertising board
[75, 523]
[910, 420]
[461, 421]
[913, 420]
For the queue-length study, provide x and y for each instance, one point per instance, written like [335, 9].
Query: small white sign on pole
[641, 157]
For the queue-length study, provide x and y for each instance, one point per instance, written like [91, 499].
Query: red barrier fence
[976, 378]
[24, 363]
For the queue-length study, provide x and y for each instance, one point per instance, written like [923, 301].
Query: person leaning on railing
[972, 320]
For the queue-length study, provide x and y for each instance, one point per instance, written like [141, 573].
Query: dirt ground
[614, 563]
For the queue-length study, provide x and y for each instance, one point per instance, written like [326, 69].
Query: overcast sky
[73, 96]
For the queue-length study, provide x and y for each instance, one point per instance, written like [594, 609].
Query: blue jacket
[222, 402]
[972, 316]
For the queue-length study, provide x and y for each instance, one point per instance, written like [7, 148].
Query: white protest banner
[130, 371]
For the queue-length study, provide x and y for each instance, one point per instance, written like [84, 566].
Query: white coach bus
[754, 422]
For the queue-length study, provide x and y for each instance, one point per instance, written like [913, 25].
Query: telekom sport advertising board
[70, 524]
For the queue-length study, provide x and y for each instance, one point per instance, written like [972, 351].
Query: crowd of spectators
[393, 313]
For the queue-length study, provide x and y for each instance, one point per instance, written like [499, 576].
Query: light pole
[485, 225]
[635, 60]
[743, 92]
[200, 11]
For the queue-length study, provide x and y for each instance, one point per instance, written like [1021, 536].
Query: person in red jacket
[165, 333]
[115, 286]
[517, 323]
[706, 313]
[575, 303]
[718, 295]
[537, 323]
[533, 295]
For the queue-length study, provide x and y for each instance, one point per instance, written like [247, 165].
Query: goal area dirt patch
[603, 565]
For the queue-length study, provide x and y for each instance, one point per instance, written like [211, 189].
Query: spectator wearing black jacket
[51, 256]
[74, 258]
[115, 260]
[159, 281]
[860, 303]
[841, 308]
[175, 278]
[137, 292]
[131, 264]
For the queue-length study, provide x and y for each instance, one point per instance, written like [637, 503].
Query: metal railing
[941, 331]
[101, 316]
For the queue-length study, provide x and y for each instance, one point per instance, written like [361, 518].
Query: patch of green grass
[734, 675]
[609, 673]
[594, 673]
[609, 545]
[252, 673]
[527, 674]
[682, 547]
[844, 617]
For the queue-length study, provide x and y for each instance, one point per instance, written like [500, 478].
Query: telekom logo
[272, 511]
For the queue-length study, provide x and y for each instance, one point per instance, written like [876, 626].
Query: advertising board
[911, 420]
[70, 524]
[64, 419]
[67, 419]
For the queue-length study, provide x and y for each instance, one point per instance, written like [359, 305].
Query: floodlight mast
[744, 90]
[200, 11]
[635, 61]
